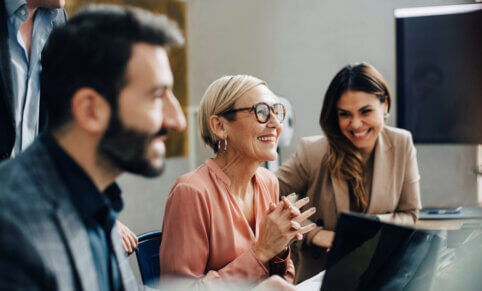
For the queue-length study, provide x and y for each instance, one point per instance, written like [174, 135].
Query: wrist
[261, 254]
[283, 254]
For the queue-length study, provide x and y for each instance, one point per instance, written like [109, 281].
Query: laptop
[371, 255]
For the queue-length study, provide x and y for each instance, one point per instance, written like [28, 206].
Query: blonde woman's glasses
[263, 111]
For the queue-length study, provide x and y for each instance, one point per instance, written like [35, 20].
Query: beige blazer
[395, 195]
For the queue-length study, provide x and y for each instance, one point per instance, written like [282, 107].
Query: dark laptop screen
[371, 255]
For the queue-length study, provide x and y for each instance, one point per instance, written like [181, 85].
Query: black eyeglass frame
[251, 108]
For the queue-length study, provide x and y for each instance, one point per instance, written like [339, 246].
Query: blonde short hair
[220, 97]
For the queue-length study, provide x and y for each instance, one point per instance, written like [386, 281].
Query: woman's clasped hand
[283, 225]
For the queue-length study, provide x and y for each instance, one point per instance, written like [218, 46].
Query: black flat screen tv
[439, 73]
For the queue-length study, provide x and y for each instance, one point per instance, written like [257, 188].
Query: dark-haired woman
[360, 164]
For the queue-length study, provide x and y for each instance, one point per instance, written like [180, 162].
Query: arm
[409, 203]
[185, 247]
[293, 175]
[321, 237]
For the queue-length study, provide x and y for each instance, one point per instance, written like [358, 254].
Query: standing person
[360, 164]
[107, 84]
[221, 221]
[24, 28]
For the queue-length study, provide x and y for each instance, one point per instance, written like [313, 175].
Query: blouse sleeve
[409, 204]
[185, 242]
[293, 176]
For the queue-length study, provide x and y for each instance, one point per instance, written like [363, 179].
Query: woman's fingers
[302, 202]
[307, 228]
[291, 197]
[286, 202]
[292, 210]
[281, 228]
[288, 210]
[275, 210]
[299, 236]
[303, 216]
[299, 231]
[295, 225]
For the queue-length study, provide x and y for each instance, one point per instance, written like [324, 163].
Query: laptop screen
[371, 255]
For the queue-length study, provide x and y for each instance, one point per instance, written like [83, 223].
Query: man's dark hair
[92, 50]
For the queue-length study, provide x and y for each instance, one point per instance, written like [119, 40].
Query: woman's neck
[367, 159]
[239, 170]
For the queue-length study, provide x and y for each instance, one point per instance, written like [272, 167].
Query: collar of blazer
[381, 180]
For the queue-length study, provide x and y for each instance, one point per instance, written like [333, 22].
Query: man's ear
[218, 126]
[90, 110]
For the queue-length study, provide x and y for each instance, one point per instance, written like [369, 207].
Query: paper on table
[311, 284]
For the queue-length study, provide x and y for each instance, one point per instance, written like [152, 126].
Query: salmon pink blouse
[206, 235]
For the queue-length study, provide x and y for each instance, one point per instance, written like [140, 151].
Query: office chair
[147, 254]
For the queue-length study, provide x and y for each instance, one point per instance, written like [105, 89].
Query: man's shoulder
[23, 207]
[38, 223]
[20, 178]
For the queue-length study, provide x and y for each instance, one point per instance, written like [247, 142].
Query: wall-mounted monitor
[439, 73]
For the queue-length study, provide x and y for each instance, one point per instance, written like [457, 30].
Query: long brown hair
[344, 159]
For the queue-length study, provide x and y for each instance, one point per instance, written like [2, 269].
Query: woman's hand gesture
[281, 226]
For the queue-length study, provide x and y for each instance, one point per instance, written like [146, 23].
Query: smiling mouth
[361, 134]
[269, 139]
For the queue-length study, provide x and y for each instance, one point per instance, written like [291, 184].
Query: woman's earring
[225, 144]
[386, 115]
[219, 145]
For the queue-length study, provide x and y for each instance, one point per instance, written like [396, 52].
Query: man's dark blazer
[44, 244]
[7, 123]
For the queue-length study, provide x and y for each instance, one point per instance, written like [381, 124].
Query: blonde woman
[223, 220]
[360, 164]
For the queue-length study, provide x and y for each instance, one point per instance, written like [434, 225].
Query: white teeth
[267, 138]
[360, 133]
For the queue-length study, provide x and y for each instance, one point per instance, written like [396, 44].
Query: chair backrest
[147, 254]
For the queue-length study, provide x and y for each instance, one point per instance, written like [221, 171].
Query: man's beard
[126, 149]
